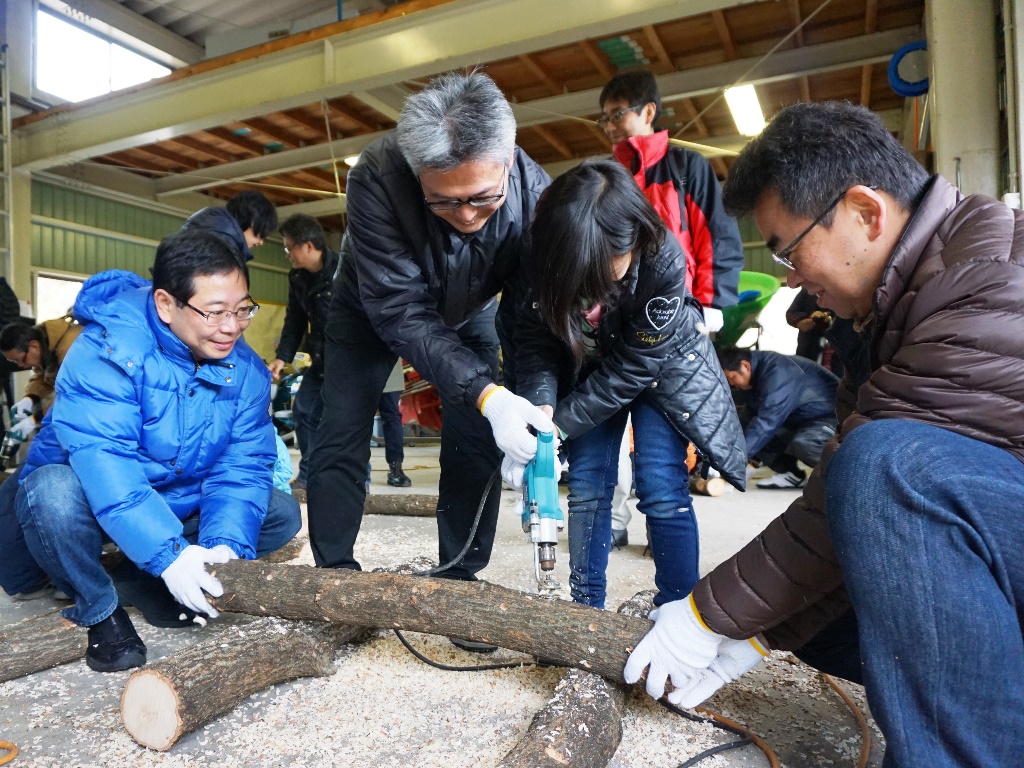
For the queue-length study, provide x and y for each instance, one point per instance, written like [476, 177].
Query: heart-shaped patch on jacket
[660, 310]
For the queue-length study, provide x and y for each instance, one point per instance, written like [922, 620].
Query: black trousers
[357, 364]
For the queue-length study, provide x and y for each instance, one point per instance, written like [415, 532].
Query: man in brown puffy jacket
[902, 565]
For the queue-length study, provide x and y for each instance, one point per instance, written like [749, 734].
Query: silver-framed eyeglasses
[617, 115]
[481, 201]
[782, 257]
[221, 316]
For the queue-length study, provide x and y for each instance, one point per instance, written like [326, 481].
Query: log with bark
[178, 694]
[708, 486]
[581, 727]
[39, 643]
[566, 633]
[408, 504]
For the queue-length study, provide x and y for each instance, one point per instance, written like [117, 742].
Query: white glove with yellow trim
[735, 658]
[679, 646]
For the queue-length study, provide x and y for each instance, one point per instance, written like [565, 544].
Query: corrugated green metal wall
[122, 236]
[757, 257]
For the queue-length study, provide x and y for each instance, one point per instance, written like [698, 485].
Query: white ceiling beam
[387, 100]
[123, 186]
[695, 82]
[329, 206]
[267, 165]
[456, 34]
[784, 65]
[177, 51]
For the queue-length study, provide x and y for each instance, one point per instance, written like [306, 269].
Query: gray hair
[457, 118]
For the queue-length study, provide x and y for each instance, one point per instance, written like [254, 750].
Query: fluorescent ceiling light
[351, 160]
[746, 111]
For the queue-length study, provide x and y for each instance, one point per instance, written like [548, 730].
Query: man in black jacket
[439, 214]
[246, 221]
[309, 301]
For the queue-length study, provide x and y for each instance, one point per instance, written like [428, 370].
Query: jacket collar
[650, 149]
[939, 200]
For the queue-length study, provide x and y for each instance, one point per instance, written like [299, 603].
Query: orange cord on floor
[773, 759]
[12, 752]
[862, 723]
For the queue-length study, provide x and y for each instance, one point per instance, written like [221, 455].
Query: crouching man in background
[160, 440]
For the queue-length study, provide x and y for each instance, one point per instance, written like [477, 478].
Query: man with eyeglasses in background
[902, 564]
[160, 441]
[682, 187]
[439, 213]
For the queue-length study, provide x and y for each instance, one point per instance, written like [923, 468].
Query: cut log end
[150, 710]
[712, 486]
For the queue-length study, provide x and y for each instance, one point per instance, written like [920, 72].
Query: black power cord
[743, 741]
[441, 568]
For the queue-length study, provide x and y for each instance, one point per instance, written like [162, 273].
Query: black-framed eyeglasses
[782, 257]
[20, 363]
[221, 316]
[617, 115]
[481, 201]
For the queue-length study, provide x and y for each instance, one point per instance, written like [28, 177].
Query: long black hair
[584, 220]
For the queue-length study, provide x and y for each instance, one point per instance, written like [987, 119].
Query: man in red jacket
[681, 186]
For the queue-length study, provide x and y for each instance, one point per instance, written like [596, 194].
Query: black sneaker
[620, 538]
[396, 476]
[473, 646]
[114, 645]
[138, 589]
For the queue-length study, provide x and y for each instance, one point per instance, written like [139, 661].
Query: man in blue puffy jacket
[159, 440]
[793, 404]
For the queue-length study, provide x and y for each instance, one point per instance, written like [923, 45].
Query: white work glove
[679, 646]
[512, 473]
[24, 429]
[510, 416]
[186, 577]
[713, 319]
[735, 658]
[22, 409]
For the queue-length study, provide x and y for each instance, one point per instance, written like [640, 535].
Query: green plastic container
[738, 318]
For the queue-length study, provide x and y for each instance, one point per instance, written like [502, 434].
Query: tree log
[178, 694]
[708, 486]
[581, 726]
[566, 633]
[39, 643]
[408, 504]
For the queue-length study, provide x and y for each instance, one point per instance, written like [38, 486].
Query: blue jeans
[662, 487]
[65, 538]
[927, 525]
[19, 572]
[306, 410]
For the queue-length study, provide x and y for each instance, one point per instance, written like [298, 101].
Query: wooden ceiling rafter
[202, 147]
[665, 63]
[241, 141]
[541, 74]
[597, 58]
[273, 132]
[870, 25]
[363, 126]
[313, 123]
[182, 161]
[724, 35]
[796, 18]
[551, 138]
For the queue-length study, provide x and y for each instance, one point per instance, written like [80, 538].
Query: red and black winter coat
[685, 192]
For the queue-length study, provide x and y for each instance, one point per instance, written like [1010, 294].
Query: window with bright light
[74, 64]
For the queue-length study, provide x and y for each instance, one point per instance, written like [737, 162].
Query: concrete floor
[68, 716]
